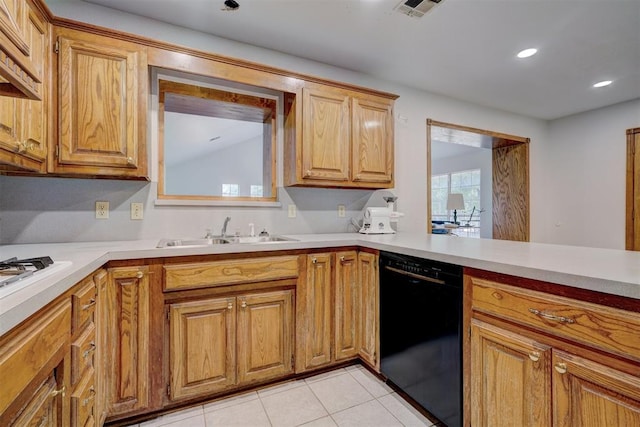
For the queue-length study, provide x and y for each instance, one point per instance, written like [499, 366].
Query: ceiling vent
[416, 8]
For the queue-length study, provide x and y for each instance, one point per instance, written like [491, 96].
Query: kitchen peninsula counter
[609, 271]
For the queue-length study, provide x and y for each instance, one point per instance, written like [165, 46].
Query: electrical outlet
[137, 211]
[292, 211]
[102, 210]
[341, 211]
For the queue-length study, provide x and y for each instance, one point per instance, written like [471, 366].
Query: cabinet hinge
[168, 315]
[169, 390]
[57, 154]
[292, 360]
[56, 47]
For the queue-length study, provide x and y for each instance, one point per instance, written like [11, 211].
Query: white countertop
[610, 271]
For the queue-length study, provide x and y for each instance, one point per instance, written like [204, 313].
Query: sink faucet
[223, 233]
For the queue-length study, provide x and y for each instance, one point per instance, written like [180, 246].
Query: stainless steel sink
[180, 243]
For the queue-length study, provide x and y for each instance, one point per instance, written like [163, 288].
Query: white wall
[585, 170]
[47, 209]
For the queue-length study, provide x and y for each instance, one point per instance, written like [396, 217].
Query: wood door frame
[499, 140]
[632, 228]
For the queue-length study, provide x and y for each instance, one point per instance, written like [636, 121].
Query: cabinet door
[369, 334]
[265, 335]
[347, 306]
[101, 279]
[43, 409]
[314, 313]
[102, 106]
[202, 346]
[510, 378]
[127, 317]
[591, 394]
[325, 135]
[371, 141]
[34, 113]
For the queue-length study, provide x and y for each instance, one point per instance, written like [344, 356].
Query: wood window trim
[632, 229]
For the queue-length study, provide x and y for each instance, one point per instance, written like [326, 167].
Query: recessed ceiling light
[603, 83]
[527, 53]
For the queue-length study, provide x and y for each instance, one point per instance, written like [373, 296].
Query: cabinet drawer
[82, 353]
[83, 303]
[82, 401]
[229, 272]
[597, 326]
[28, 352]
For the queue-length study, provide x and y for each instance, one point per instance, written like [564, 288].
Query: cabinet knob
[129, 160]
[561, 367]
[342, 258]
[229, 305]
[243, 304]
[62, 391]
[90, 304]
[22, 147]
[139, 274]
[314, 260]
[91, 349]
[535, 356]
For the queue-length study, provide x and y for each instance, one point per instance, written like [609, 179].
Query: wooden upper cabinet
[372, 140]
[102, 106]
[325, 138]
[19, 76]
[338, 137]
[23, 122]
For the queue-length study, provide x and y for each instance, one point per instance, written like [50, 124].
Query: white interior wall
[50, 209]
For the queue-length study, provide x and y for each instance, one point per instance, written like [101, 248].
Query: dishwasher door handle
[415, 276]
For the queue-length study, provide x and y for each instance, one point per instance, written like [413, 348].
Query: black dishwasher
[420, 332]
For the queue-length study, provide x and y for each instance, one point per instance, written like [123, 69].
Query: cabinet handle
[91, 349]
[229, 306]
[243, 304]
[62, 391]
[139, 274]
[550, 316]
[561, 367]
[91, 303]
[342, 258]
[314, 260]
[535, 356]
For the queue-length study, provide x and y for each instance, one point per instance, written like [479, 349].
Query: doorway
[509, 175]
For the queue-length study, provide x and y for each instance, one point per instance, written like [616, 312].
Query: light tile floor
[347, 397]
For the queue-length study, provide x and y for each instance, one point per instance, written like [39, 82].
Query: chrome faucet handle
[223, 233]
[209, 235]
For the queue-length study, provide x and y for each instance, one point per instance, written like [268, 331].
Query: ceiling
[464, 49]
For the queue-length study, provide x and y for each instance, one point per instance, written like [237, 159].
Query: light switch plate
[137, 211]
[102, 210]
[341, 211]
[292, 211]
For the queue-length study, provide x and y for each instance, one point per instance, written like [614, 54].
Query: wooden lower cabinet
[337, 310]
[592, 393]
[369, 335]
[510, 378]
[538, 359]
[221, 343]
[127, 340]
[44, 407]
